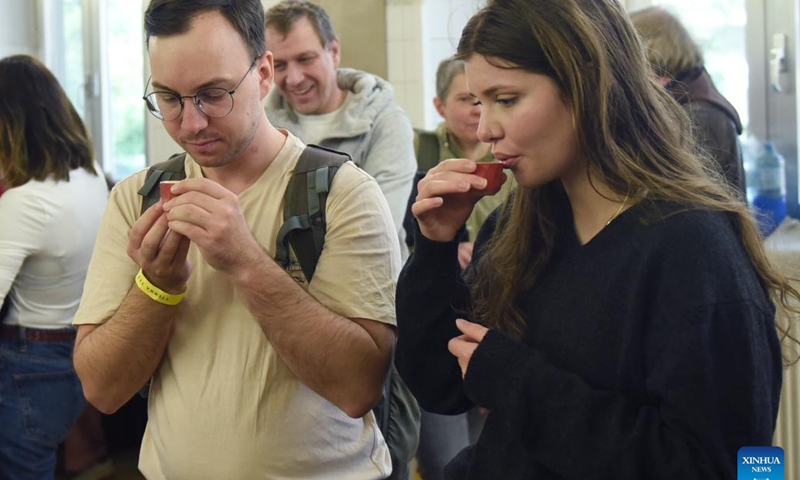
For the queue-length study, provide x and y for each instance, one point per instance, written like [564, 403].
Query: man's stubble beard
[237, 149]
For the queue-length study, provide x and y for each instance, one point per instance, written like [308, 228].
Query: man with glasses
[214, 102]
[340, 108]
[253, 375]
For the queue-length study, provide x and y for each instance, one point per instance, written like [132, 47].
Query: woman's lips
[507, 160]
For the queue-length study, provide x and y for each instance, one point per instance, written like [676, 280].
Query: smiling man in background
[339, 108]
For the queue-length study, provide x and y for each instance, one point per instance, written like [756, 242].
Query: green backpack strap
[428, 150]
[170, 169]
[304, 205]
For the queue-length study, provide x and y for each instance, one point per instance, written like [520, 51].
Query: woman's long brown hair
[41, 134]
[635, 137]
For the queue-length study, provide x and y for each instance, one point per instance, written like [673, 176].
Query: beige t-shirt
[223, 405]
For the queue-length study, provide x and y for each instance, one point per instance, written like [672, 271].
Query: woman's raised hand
[446, 197]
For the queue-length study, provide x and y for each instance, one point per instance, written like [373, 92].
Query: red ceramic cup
[493, 173]
[166, 194]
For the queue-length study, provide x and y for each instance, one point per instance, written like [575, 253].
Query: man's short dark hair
[282, 16]
[173, 17]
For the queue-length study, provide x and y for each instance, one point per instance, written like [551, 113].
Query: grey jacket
[372, 129]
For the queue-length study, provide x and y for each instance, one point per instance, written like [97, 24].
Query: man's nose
[294, 76]
[192, 118]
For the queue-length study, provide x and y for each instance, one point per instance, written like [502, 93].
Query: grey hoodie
[372, 129]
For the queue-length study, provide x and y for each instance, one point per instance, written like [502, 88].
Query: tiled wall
[404, 48]
[420, 33]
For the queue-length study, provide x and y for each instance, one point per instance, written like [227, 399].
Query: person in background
[443, 436]
[617, 319]
[49, 217]
[84, 453]
[340, 108]
[455, 137]
[255, 373]
[678, 64]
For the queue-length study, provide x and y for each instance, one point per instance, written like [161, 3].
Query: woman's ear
[437, 102]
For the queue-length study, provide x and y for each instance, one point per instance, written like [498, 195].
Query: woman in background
[678, 64]
[441, 437]
[49, 217]
[620, 305]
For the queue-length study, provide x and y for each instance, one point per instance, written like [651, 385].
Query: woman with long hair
[49, 217]
[617, 320]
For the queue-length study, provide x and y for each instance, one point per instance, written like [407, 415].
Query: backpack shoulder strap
[170, 169]
[304, 207]
[428, 153]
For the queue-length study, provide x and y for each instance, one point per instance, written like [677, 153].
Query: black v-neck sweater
[651, 353]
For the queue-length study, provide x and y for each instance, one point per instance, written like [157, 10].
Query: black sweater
[651, 353]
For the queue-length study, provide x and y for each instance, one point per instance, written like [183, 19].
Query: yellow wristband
[156, 293]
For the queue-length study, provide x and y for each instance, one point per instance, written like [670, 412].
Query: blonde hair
[670, 49]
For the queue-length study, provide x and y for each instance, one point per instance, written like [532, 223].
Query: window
[97, 55]
[718, 26]
[126, 113]
[70, 61]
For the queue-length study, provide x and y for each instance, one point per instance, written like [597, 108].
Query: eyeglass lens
[214, 102]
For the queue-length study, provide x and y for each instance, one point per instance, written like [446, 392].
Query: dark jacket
[717, 122]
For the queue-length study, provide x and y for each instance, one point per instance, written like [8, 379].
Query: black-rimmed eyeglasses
[214, 102]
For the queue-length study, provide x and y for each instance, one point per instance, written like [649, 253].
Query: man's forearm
[116, 359]
[343, 360]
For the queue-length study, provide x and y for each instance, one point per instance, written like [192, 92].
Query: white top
[223, 404]
[318, 127]
[47, 233]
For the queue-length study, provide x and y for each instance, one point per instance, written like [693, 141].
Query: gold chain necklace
[619, 210]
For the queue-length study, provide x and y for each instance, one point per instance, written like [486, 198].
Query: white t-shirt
[318, 127]
[223, 404]
[47, 233]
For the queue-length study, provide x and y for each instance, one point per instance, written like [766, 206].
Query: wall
[18, 28]
[420, 33]
[363, 38]
[773, 114]
[443, 21]
[360, 35]
[405, 50]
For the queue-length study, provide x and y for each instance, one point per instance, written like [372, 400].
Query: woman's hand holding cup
[448, 193]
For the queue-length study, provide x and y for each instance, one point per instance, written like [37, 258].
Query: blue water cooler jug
[770, 198]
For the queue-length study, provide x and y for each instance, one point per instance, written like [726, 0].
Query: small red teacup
[493, 173]
[166, 193]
